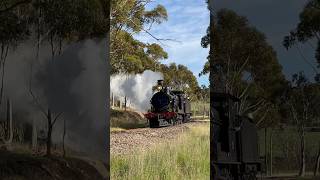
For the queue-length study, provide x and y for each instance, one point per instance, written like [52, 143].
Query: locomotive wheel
[153, 124]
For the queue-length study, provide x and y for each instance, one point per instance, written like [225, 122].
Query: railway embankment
[127, 141]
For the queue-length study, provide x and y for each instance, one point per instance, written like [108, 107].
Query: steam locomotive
[235, 153]
[168, 107]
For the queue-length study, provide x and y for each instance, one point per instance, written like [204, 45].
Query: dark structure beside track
[235, 153]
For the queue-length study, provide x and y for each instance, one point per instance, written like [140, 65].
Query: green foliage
[172, 160]
[307, 29]
[65, 21]
[244, 64]
[56, 21]
[13, 28]
[301, 102]
[129, 18]
[181, 78]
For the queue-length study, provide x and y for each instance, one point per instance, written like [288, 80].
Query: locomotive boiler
[168, 107]
[235, 152]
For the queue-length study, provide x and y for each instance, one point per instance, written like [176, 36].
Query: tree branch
[14, 6]
[55, 119]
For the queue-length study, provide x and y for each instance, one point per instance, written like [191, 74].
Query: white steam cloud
[137, 88]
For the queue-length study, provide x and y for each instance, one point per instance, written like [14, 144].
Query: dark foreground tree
[244, 64]
[60, 23]
[307, 31]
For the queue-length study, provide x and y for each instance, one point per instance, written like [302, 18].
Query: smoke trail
[73, 83]
[137, 88]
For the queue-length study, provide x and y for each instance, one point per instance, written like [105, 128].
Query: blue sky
[187, 23]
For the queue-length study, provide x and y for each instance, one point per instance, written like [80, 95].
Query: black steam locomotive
[235, 152]
[168, 107]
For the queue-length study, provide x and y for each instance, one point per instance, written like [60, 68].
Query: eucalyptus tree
[13, 30]
[129, 18]
[181, 78]
[300, 106]
[307, 31]
[60, 23]
[244, 65]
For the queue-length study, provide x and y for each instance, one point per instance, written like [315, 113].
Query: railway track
[123, 142]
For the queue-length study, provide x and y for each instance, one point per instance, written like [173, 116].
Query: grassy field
[121, 120]
[198, 108]
[186, 157]
[286, 149]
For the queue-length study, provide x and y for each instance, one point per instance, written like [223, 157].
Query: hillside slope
[25, 167]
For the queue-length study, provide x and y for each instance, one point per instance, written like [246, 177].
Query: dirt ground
[15, 166]
[123, 142]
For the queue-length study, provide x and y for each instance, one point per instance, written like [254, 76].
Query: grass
[286, 149]
[120, 119]
[117, 129]
[198, 107]
[186, 157]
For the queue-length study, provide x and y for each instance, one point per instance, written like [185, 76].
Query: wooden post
[34, 134]
[271, 152]
[9, 122]
[317, 166]
[112, 98]
[49, 117]
[125, 103]
[63, 137]
[204, 110]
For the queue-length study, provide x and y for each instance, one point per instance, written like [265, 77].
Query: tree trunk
[125, 103]
[63, 137]
[271, 155]
[9, 123]
[317, 166]
[49, 117]
[265, 149]
[302, 170]
[112, 100]
[204, 111]
[34, 135]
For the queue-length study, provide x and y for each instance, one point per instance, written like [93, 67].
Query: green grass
[186, 157]
[286, 149]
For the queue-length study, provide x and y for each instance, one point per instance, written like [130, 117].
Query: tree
[243, 63]
[129, 55]
[181, 78]
[9, 5]
[301, 102]
[13, 30]
[60, 23]
[308, 29]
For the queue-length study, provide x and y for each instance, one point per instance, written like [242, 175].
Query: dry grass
[186, 157]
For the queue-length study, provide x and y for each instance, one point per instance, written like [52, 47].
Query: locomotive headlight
[159, 88]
